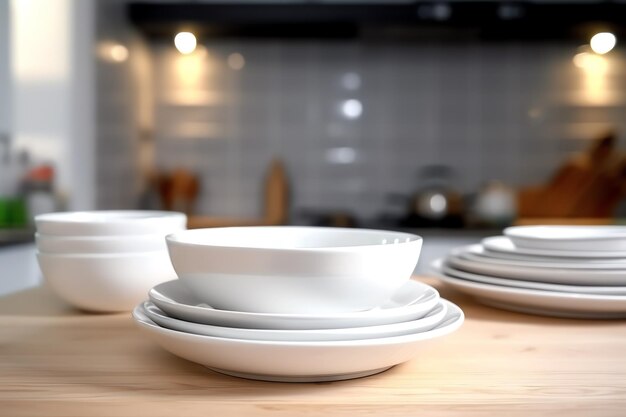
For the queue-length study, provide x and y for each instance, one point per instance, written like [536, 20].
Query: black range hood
[483, 19]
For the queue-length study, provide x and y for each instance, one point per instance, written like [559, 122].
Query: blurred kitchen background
[449, 118]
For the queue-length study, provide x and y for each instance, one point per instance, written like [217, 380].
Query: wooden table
[55, 361]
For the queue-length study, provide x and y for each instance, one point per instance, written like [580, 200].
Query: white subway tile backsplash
[355, 122]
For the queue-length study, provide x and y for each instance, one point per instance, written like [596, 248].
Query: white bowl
[293, 270]
[569, 238]
[105, 283]
[110, 223]
[100, 244]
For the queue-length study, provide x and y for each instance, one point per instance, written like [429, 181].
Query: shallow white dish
[428, 322]
[110, 223]
[412, 301]
[475, 253]
[570, 238]
[297, 361]
[503, 244]
[105, 283]
[100, 244]
[548, 303]
[479, 251]
[440, 268]
[567, 276]
[292, 269]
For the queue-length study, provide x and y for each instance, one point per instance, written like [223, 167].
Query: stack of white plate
[563, 271]
[317, 308]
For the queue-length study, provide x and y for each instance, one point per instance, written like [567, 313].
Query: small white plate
[297, 361]
[570, 238]
[412, 301]
[476, 253]
[601, 277]
[440, 268]
[505, 245]
[546, 303]
[432, 319]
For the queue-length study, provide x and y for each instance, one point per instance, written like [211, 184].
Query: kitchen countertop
[56, 361]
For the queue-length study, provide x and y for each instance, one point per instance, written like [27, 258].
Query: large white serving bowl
[100, 244]
[105, 283]
[569, 238]
[298, 361]
[293, 270]
[110, 223]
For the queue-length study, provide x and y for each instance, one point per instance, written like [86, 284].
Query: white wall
[52, 90]
[5, 97]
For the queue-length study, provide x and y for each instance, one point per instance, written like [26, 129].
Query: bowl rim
[99, 256]
[83, 217]
[410, 238]
[97, 238]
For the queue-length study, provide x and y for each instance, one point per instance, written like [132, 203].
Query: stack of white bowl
[565, 271]
[295, 303]
[105, 261]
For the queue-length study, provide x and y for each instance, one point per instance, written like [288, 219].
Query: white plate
[570, 238]
[441, 268]
[504, 244]
[485, 253]
[432, 319]
[412, 301]
[296, 361]
[604, 277]
[476, 253]
[548, 303]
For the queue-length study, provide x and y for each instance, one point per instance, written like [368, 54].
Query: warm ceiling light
[602, 42]
[185, 42]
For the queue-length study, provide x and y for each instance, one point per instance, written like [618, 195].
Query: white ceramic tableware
[290, 269]
[100, 244]
[412, 301]
[475, 253]
[440, 268]
[568, 276]
[503, 244]
[105, 283]
[549, 303]
[478, 252]
[429, 321]
[570, 238]
[110, 223]
[297, 361]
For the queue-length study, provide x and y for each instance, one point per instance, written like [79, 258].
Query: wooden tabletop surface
[56, 361]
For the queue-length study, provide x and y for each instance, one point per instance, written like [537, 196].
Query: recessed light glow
[602, 42]
[236, 61]
[352, 109]
[185, 42]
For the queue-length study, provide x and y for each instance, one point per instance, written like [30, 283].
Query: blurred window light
[185, 42]
[352, 109]
[351, 81]
[602, 42]
[342, 155]
[236, 61]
